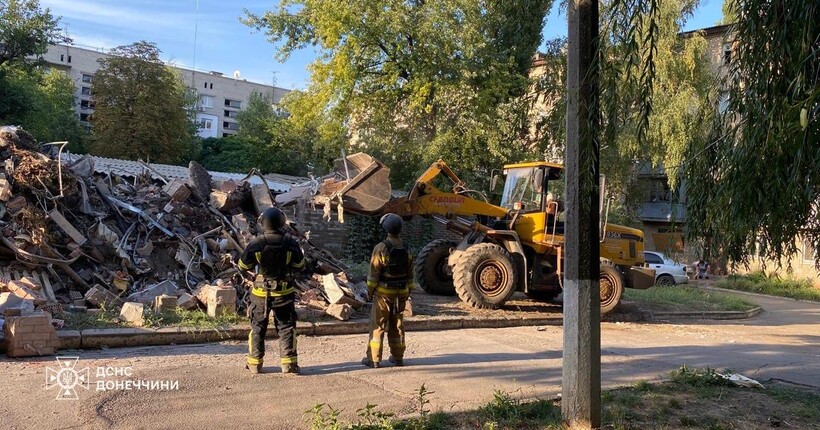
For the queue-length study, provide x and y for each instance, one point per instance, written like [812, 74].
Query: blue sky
[223, 43]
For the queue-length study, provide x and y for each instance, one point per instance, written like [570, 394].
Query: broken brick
[133, 313]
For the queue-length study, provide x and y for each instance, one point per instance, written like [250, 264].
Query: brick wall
[343, 241]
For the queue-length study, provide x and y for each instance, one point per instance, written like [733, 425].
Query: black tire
[665, 281]
[612, 288]
[543, 296]
[485, 276]
[431, 269]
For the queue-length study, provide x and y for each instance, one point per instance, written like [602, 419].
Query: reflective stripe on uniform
[244, 266]
[258, 256]
[290, 360]
[261, 292]
[299, 265]
[392, 291]
[254, 361]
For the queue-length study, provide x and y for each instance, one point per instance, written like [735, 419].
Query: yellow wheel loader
[517, 245]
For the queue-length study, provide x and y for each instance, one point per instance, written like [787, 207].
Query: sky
[222, 42]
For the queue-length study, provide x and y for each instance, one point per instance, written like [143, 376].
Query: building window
[62, 57]
[85, 117]
[69, 58]
[87, 104]
[86, 78]
[205, 123]
[205, 85]
[233, 103]
[86, 91]
[727, 53]
[211, 85]
[225, 134]
[206, 101]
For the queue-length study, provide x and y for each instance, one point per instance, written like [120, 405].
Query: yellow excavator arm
[426, 199]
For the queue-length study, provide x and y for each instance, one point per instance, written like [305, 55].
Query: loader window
[519, 188]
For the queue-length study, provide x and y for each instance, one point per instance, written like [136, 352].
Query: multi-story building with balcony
[220, 98]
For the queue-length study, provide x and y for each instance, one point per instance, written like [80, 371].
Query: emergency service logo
[67, 378]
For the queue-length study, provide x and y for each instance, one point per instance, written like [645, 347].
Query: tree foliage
[675, 71]
[412, 81]
[143, 109]
[26, 29]
[757, 183]
[42, 102]
[32, 96]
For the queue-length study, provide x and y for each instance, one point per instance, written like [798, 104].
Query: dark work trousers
[284, 320]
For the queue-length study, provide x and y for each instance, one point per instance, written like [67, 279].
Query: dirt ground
[519, 307]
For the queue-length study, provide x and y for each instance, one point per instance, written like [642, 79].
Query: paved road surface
[461, 367]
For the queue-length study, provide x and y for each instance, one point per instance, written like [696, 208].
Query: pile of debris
[72, 239]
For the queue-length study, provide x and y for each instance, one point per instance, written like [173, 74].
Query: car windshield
[518, 188]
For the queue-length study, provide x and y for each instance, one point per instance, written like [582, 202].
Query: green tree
[143, 109]
[682, 86]
[226, 154]
[757, 182]
[414, 80]
[26, 30]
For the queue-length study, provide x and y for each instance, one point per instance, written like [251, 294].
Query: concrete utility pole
[581, 378]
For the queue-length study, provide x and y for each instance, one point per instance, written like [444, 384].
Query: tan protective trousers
[386, 316]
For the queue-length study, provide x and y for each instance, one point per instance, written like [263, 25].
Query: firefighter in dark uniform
[389, 283]
[277, 256]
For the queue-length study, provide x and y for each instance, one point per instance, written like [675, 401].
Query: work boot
[290, 368]
[254, 368]
[397, 361]
[370, 363]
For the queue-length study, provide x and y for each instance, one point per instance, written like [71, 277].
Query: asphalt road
[462, 369]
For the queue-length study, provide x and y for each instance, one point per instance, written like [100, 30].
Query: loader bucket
[367, 188]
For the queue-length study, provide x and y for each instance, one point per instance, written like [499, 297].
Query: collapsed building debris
[85, 233]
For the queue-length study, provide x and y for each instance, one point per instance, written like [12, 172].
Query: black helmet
[272, 219]
[391, 223]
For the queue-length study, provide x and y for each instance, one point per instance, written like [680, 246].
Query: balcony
[662, 212]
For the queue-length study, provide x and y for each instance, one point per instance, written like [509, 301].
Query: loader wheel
[431, 268]
[612, 288]
[485, 276]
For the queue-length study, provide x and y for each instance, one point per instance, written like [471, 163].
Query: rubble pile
[74, 240]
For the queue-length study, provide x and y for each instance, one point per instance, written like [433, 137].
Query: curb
[124, 337]
[749, 293]
[712, 315]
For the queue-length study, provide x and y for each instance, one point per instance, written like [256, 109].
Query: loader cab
[528, 185]
[530, 190]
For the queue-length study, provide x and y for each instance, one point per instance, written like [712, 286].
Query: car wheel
[665, 281]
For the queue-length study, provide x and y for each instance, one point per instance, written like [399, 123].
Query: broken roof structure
[277, 183]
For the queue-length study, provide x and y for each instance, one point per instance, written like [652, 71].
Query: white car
[667, 272]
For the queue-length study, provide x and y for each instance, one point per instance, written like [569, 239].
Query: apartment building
[221, 97]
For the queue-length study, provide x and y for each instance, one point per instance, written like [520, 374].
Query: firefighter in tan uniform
[277, 256]
[389, 283]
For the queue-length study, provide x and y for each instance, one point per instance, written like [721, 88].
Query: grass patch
[109, 318]
[692, 398]
[759, 282]
[196, 318]
[680, 298]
